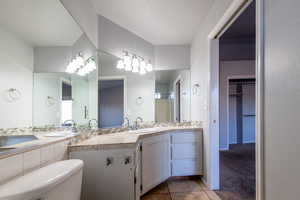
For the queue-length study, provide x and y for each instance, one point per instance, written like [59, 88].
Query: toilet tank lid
[40, 180]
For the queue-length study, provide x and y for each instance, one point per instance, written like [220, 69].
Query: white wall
[80, 96]
[200, 75]
[230, 69]
[16, 66]
[281, 99]
[85, 15]
[52, 59]
[172, 57]
[47, 84]
[115, 39]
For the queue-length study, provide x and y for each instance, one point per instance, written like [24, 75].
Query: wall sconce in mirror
[196, 89]
[80, 66]
[139, 100]
[134, 63]
[13, 95]
[50, 101]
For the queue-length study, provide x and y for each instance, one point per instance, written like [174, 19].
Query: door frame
[227, 96]
[179, 78]
[235, 9]
[111, 78]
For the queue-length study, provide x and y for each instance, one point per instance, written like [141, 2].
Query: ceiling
[39, 22]
[157, 21]
[244, 26]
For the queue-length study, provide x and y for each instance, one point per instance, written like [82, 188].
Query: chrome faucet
[127, 124]
[138, 119]
[73, 125]
[90, 122]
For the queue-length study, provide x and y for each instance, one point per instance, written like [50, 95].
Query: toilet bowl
[59, 181]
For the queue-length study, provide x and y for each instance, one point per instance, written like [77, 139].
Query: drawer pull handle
[109, 161]
[127, 160]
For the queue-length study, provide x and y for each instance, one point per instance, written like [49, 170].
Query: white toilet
[59, 181]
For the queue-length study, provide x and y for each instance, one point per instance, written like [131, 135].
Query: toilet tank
[59, 181]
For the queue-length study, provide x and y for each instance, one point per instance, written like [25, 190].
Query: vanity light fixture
[81, 67]
[134, 63]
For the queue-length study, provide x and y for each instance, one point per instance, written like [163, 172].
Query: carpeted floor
[237, 172]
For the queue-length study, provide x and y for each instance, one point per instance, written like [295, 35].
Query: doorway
[111, 103]
[237, 112]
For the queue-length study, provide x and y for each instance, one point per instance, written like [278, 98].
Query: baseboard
[204, 182]
[248, 142]
[224, 149]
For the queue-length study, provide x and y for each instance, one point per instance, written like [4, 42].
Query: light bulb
[68, 70]
[81, 72]
[143, 64]
[120, 64]
[79, 61]
[71, 68]
[89, 67]
[149, 67]
[128, 67]
[93, 64]
[127, 59]
[142, 71]
[135, 64]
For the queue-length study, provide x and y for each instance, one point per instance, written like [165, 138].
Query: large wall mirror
[156, 96]
[48, 67]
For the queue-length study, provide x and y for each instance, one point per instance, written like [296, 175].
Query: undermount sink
[145, 130]
[15, 139]
[60, 134]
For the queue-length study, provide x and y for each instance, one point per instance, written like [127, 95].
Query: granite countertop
[125, 139]
[42, 140]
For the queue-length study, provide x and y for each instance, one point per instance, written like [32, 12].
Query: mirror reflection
[172, 96]
[124, 95]
[127, 97]
[48, 67]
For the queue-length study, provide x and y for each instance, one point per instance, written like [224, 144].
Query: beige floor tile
[190, 196]
[212, 195]
[185, 186]
[156, 197]
[161, 189]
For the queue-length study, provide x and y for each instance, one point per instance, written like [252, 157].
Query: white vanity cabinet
[108, 174]
[155, 154]
[127, 173]
[186, 153]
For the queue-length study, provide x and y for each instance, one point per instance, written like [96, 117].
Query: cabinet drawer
[186, 137]
[187, 167]
[186, 151]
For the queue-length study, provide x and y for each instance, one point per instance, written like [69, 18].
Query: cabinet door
[117, 179]
[107, 174]
[155, 161]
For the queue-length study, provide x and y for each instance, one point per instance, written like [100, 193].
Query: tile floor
[181, 189]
